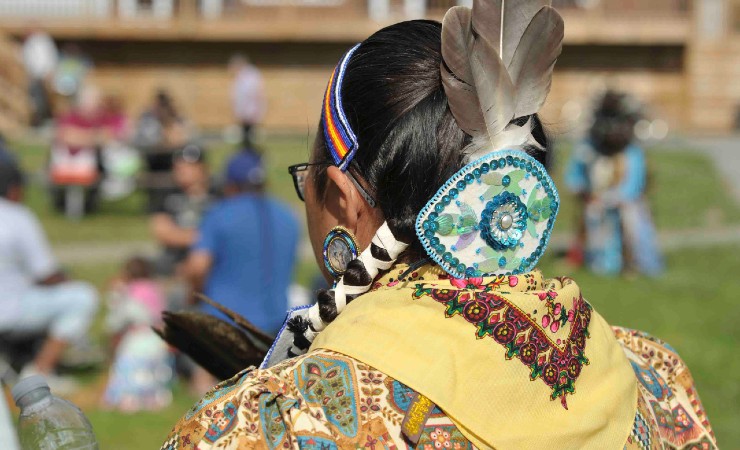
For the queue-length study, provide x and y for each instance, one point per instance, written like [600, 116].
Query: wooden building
[682, 57]
[14, 107]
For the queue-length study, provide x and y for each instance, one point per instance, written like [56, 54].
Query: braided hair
[409, 145]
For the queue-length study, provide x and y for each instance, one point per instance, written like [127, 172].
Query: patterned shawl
[517, 362]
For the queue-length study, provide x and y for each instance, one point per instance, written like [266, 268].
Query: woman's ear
[342, 199]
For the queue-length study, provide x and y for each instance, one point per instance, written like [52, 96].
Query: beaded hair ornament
[495, 215]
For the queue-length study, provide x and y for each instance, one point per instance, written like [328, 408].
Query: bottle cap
[27, 385]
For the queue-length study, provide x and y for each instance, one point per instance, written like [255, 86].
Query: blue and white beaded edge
[516, 155]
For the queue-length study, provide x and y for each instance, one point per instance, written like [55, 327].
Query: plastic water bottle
[48, 422]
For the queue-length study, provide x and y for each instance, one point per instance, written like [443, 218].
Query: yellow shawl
[503, 357]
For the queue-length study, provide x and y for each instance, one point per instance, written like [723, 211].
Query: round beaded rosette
[493, 217]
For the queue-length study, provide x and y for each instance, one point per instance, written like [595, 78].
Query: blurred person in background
[175, 220]
[248, 99]
[248, 239]
[37, 296]
[6, 154]
[142, 369]
[83, 126]
[159, 132]
[76, 151]
[71, 71]
[40, 57]
[245, 251]
[114, 120]
[608, 173]
[120, 161]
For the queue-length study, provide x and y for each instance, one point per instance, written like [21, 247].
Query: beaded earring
[340, 247]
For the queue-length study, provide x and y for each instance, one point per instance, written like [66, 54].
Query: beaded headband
[340, 139]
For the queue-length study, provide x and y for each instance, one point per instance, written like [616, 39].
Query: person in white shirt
[40, 58]
[40, 55]
[36, 295]
[248, 98]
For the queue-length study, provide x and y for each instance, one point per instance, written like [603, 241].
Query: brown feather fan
[220, 347]
[497, 66]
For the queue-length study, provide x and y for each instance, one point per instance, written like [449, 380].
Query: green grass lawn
[139, 431]
[693, 306]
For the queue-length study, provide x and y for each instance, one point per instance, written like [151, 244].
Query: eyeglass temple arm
[368, 198]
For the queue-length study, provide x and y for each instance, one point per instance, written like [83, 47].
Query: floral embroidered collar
[455, 341]
[542, 323]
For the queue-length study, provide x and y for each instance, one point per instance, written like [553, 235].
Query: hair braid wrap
[380, 255]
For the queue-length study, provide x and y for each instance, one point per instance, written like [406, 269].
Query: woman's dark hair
[409, 142]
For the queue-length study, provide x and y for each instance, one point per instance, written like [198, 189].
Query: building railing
[228, 9]
[54, 9]
[626, 7]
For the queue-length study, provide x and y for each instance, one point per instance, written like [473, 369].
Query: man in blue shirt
[246, 248]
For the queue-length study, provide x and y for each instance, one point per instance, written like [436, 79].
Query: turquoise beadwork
[460, 197]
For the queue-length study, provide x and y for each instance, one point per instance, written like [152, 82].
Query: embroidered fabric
[497, 353]
[341, 402]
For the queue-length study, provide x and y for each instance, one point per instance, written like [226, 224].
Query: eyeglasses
[298, 172]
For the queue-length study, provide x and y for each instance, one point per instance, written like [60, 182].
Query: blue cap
[245, 169]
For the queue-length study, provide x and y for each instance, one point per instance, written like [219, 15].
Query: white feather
[513, 137]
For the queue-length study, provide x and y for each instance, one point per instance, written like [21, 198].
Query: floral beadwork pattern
[492, 217]
[556, 361]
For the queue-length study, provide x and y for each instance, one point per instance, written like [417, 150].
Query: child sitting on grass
[142, 368]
